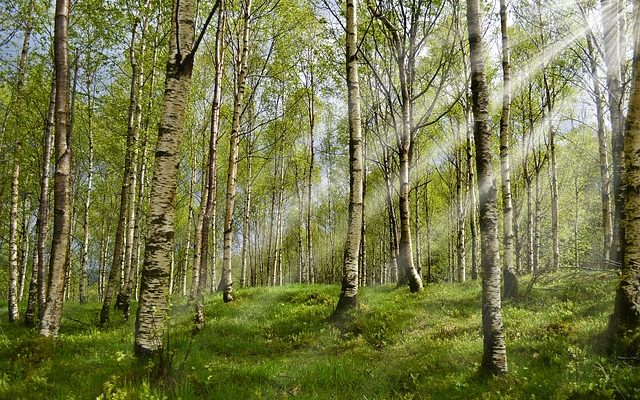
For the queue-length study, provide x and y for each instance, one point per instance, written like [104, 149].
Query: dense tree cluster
[157, 148]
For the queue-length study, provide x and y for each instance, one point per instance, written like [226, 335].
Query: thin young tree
[126, 199]
[241, 74]
[349, 290]
[494, 359]
[209, 215]
[510, 278]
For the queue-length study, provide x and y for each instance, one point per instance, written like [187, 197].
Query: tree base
[155, 358]
[510, 284]
[227, 297]
[345, 305]
[198, 320]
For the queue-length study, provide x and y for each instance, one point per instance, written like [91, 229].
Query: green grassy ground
[276, 343]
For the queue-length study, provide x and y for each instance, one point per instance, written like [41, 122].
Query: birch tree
[241, 74]
[494, 360]
[349, 290]
[154, 286]
[50, 322]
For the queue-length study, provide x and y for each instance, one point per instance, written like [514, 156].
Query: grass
[276, 343]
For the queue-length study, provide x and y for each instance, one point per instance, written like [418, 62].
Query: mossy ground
[276, 343]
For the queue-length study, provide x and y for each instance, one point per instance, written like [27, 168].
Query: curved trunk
[152, 307]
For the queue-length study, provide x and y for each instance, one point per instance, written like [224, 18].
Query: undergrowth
[278, 343]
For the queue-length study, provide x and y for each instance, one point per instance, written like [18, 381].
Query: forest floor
[276, 343]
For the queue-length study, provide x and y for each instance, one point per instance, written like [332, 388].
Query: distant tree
[209, 197]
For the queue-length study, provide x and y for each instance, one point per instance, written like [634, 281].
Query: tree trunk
[605, 199]
[576, 221]
[312, 119]
[405, 259]
[142, 187]
[104, 246]
[362, 260]
[427, 221]
[393, 230]
[301, 270]
[537, 218]
[245, 219]
[555, 239]
[510, 278]
[227, 279]
[349, 290]
[471, 188]
[25, 244]
[12, 303]
[152, 307]
[186, 256]
[278, 276]
[625, 320]
[124, 297]
[50, 322]
[495, 354]
[417, 229]
[84, 263]
[120, 248]
[460, 219]
[610, 19]
[208, 218]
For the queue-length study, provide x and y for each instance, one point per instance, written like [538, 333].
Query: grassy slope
[276, 343]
